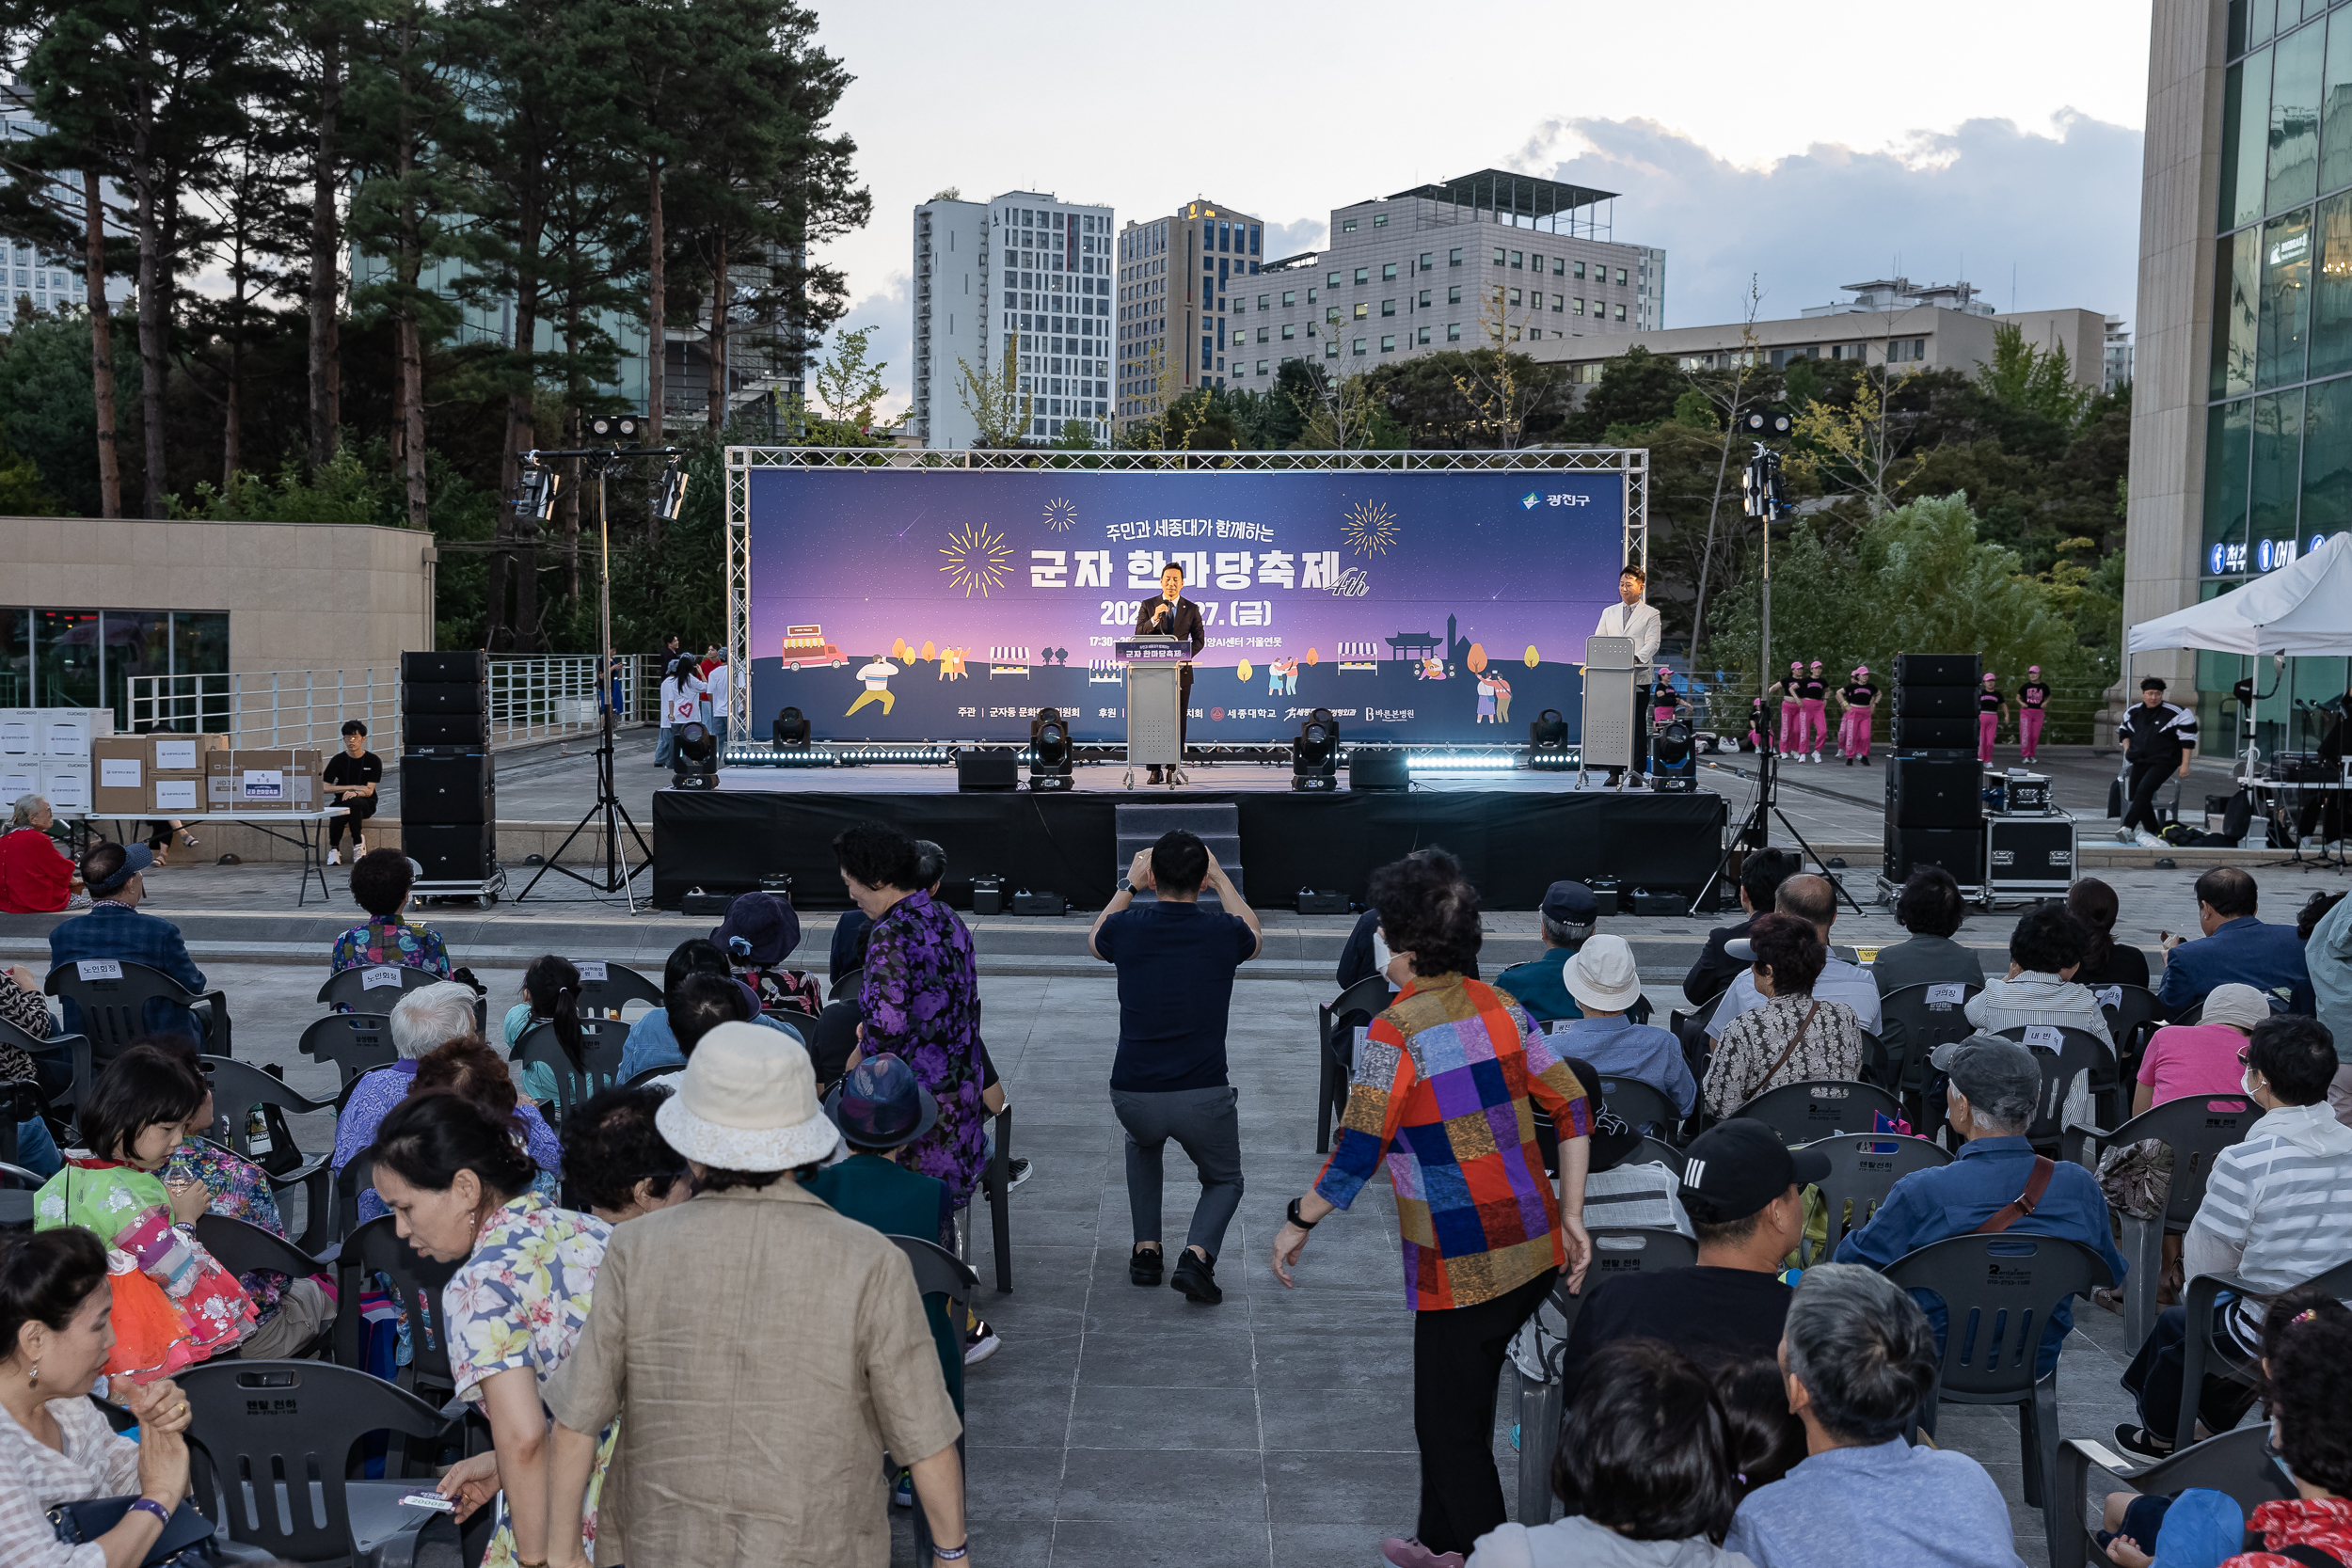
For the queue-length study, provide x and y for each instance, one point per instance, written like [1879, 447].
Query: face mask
[2246, 1081]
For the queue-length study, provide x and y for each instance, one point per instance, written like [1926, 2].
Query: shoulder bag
[186, 1540]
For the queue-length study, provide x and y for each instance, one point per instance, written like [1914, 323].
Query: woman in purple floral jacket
[921, 998]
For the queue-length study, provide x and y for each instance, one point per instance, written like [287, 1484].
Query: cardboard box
[67, 732]
[221, 783]
[277, 780]
[185, 754]
[19, 734]
[180, 795]
[119, 768]
[18, 777]
[68, 786]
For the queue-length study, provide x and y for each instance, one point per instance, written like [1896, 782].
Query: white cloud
[1290, 239]
[889, 311]
[2060, 206]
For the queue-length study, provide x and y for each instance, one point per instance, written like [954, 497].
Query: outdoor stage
[1516, 832]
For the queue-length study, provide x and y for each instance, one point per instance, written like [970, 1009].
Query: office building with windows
[50, 279]
[1183, 284]
[1024, 278]
[2242, 390]
[1451, 265]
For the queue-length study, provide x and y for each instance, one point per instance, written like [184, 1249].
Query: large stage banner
[1429, 606]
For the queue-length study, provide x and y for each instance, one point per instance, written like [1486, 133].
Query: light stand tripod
[616, 874]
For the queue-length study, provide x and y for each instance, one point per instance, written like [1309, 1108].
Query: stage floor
[1226, 778]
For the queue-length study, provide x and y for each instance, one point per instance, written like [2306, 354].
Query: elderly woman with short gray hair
[1859, 1363]
[35, 876]
[422, 1021]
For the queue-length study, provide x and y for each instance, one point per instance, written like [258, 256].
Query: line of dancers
[1801, 702]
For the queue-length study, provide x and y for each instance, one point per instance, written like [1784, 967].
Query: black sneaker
[1144, 1266]
[1016, 1171]
[1196, 1278]
[2139, 1440]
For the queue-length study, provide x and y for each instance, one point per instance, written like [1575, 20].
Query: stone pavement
[1120, 1425]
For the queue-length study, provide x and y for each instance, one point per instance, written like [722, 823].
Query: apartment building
[1182, 277]
[1025, 276]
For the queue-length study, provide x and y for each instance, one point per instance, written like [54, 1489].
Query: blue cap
[135, 859]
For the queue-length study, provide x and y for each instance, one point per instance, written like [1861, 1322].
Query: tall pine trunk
[408, 338]
[231, 422]
[154, 321]
[327, 415]
[102, 349]
[657, 325]
[715, 395]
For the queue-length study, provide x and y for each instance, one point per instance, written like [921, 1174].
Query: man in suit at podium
[1631, 618]
[1169, 613]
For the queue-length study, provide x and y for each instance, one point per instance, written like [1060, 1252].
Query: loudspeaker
[989, 767]
[1605, 892]
[1958, 852]
[447, 787]
[1923, 792]
[452, 852]
[2030, 854]
[463, 664]
[1918, 734]
[1963, 670]
[1311, 902]
[1935, 702]
[988, 895]
[452, 697]
[1375, 769]
[1646, 902]
[469, 730]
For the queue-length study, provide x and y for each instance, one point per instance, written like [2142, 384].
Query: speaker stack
[1934, 791]
[448, 783]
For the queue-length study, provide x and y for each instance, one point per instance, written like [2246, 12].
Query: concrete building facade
[2241, 396]
[1182, 284]
[1025, 276]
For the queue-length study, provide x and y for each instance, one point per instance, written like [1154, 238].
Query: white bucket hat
[748, 1101]
[2237, 1005]
[1602, 975]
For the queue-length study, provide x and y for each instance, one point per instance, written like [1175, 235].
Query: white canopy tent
[2302, 609]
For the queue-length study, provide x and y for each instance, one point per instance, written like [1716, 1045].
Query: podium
[1609, 678]
[1155, 696]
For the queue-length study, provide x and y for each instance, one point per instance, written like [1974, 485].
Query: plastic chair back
[1916, 1020]
[373, 988]
[600, 1042]
[1816, 1107]
[2196, 1128]
[17, 1187]
[1999, 1293]
[2237, 1464]
[55, 1082]
[1367, 995]
[1619, 1250]
[416, 1281]
[270, 1446]
[2129, 1010]
[1640, 1104]
[354, 1042]
[1862, 1171]
[1651, 1150]
[354, 1179]
[106, 999]
[243, 1248]
[237, 1087]
[606, 986]
[2078, 1051]
[848, 986]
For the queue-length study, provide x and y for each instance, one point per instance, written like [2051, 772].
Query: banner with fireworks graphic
[953, 604]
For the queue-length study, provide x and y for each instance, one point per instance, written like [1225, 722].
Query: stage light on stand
[790, 728]
[613, 427]
[1548, 741]
[1314, 755]
[534, 492]
[671, 498]
[697, 764]
[1673, 759]
[1049, 752]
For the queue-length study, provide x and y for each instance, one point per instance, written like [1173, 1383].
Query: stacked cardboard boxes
[160, 775]
[277, 778]
[46, 752]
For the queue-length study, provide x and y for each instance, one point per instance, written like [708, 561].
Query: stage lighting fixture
[697, 764]
[1548, 741]
[1049, 752]
[613, 427]
[671, 498]
[1672, 749]
[1767, 425]
[1315, 755]
[790, 728]
[534, 492]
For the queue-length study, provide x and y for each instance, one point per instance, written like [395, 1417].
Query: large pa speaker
[463, 664]
[1914, 733]
[1962, 670]
[439, 697]
[452, 852]
[1924, 792]
[986, 767]
[1378, 770]
[447, 787]
[1936, 702]
[470, 731]
[1957, 851]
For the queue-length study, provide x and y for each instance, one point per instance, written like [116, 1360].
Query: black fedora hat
[880, 1105]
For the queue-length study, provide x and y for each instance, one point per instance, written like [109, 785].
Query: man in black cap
[1744, 1192]
[1570, 912]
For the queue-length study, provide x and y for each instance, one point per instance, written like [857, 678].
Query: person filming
[1169, 613]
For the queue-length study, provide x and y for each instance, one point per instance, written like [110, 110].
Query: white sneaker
[1817, 756]
[2124, 835]
[334, 857]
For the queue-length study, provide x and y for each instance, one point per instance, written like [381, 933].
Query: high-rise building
[1176, 298]
[44, 278]
[1027, 276]
[1413, 273]
[2242, 386]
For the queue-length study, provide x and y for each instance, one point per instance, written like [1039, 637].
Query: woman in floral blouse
[1793, 1037]
[459, 1186]
[921, 998]
[380, 881]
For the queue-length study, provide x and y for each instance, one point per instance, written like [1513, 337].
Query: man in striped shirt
[2277, 1210]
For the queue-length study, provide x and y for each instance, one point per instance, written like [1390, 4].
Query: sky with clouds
[1805, 144]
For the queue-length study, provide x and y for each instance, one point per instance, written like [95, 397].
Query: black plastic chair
[938, 1272]
[243, 1248]
[238, 1086]
[1651, 1150]
[848, 986]
[1813, 1108]
[2132, 1016]
[1999, 1293]
[2237, 1464]
[1640, 1104]
[607, 988]
[1862, 1171]
[53, 1060]
[19, 1103]
[661, 1070]
[354, 1042]
[2079, 1051]
[2196, 1128]
[17, 1187]
[1910, 1026]
[996, 1187]
[1617, 1251]
[1337, 1049]
[2200, 1303]
[416, 1281]
[354, 1179]
[270, 1453]
[108, 999]
[374, 988]
[600, 1042]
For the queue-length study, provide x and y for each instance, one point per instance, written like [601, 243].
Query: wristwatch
[1294, 1219]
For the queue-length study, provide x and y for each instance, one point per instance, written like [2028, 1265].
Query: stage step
[1218, 826]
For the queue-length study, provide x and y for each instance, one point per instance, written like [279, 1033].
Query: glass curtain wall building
[2278, 416]
[86, 657]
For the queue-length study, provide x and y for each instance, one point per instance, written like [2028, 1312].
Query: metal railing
[531, 699]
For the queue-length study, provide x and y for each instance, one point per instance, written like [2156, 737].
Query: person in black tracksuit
[2159, 739]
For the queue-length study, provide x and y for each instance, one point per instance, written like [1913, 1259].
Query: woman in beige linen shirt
[1791, 1038]
[750, 1445]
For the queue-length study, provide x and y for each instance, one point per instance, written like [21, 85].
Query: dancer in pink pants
[2032, 698]
[1853, 727]
[1990, 710]
[1791, 709]
[1815, 691]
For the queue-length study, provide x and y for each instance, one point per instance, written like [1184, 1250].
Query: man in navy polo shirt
[1176, 962]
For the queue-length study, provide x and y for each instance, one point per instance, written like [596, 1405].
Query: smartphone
[431, 1500]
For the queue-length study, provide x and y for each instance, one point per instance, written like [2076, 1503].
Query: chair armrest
[219, 999]
[2069, 1548]
[2096, 1133]
[317, 1181]
[2199, 1298]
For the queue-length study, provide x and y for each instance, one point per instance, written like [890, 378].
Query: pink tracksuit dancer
[2032, 698]
[1990, 710]
[1816, 692]
[1853, 726]
[1793, 710]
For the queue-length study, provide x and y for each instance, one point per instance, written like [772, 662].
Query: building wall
[950, 310]
[1175, 315]
[298, 595]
